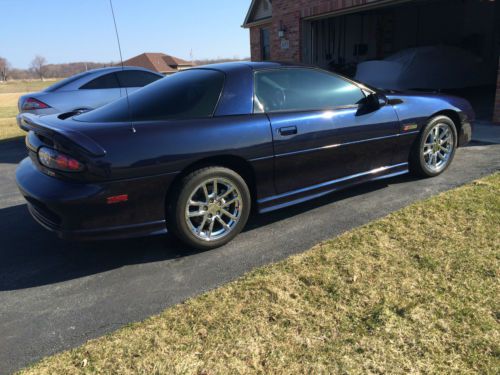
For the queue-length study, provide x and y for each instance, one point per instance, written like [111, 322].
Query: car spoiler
[29, 121]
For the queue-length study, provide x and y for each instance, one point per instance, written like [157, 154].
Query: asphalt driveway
[55, 295]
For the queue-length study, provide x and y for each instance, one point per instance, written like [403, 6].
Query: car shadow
[31, 256]
[479, 143]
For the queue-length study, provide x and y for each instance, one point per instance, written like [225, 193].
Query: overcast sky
[82, 30]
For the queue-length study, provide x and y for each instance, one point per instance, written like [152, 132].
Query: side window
[296, 89]
[107, 81]
[136, 78]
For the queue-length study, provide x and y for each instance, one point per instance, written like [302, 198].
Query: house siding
[255, 44]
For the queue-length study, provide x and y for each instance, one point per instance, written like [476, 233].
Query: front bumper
[79, 211]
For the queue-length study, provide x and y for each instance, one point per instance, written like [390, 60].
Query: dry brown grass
[9, 129]
[415, 292]
[25, 86]
[9, 95]
[8, 112]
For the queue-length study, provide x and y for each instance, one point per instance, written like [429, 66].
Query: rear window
[66, 81]
[190, 94]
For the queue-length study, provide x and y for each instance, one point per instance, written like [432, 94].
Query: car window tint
[293, 89]
[106, 81]
[136, 78]
[192, 93]
[66, 81]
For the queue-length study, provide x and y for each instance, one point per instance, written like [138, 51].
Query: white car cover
[434, 67]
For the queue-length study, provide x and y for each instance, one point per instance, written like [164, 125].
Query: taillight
[55, 160]
[32, 103]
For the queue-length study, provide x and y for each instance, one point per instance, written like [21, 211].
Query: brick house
[159, 62]
[339, 34]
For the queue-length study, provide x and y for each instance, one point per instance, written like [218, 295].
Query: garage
[449, 46]
[462, 35]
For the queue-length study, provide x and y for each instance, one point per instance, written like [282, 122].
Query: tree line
[40, 69]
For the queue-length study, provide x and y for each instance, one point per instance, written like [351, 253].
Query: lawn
[414, 292]
[9, 94]
[24, 86]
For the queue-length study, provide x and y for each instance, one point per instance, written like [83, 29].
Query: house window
[265, 44]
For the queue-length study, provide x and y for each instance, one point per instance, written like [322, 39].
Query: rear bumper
[79, 211]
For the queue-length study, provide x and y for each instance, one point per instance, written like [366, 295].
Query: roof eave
[249, 12]
[262, 21]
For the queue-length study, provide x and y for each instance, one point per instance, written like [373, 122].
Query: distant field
[9, 95]
[24, 86]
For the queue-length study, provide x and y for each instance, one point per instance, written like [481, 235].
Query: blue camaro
[195, 152]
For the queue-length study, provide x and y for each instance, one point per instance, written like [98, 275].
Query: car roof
[77, 80]
[253, 65]
[119, 68]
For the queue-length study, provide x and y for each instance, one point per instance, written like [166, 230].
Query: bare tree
[4, 69]
[38, 66]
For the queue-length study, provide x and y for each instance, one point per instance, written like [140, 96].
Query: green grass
[415, 292]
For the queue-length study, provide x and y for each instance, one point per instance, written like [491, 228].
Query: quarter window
[295, 89]
[188, 94]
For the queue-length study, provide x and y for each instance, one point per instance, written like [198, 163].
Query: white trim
[264, 21]
[357, 9]
[261, 21]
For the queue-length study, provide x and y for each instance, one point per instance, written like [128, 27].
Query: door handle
[288, 130]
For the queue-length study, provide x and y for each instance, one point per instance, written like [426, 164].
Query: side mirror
[371, 103]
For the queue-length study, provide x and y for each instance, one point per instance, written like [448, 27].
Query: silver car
[87, 90]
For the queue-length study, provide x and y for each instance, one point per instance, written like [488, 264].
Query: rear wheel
[209, 207]
[435, 148]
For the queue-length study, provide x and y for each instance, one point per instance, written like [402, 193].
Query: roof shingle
[158, 62]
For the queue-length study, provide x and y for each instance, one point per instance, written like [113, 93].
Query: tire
[200, 224]
[431, 156]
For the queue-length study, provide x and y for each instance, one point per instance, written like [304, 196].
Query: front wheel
[435, 147]
[209, 207]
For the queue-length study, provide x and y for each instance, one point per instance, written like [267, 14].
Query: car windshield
[192, 93]
[64, 82]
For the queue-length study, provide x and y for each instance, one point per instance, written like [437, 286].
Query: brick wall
[255, 47]
[288, 14]
[496, 116]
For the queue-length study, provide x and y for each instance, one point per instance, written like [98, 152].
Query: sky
[82, 30]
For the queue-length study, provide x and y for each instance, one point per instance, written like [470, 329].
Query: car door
[90, 95]
[319, 132]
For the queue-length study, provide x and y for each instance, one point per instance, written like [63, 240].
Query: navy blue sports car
[196, 151]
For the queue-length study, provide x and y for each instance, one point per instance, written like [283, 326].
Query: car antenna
[121, 61]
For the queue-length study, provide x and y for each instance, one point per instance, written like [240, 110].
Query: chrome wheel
[438, 147]
[213, 209]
